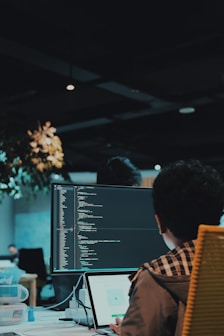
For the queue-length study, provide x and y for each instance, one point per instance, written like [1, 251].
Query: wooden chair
[204, 314]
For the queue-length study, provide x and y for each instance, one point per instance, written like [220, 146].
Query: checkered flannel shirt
[178, 261]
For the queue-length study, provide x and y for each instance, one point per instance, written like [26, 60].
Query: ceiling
[134, 67]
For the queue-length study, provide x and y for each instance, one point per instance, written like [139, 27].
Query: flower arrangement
[26, 164]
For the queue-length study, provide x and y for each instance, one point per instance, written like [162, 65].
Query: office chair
[205, 303]
[32, 261]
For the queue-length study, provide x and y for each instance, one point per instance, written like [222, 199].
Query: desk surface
[47, 323]
[28, 276]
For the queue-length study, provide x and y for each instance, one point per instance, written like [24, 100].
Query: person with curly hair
[185, 195]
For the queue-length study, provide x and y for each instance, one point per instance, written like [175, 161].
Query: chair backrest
[32, 261]
[205, 304]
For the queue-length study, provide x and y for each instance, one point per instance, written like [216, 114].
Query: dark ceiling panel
[134, 66]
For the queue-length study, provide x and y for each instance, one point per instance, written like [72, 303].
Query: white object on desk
[6, 263]
[76, 311]
[12, 294]
[12, 314]
[47, 323]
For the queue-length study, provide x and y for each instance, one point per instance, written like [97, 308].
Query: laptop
[108, 295]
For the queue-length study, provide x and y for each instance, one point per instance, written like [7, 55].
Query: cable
[86, 312]
[68, 297]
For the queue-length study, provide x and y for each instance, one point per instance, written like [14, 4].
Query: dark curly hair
[119, 170]
[186, 194]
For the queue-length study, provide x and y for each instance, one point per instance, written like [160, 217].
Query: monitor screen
[6, 257]
[95, 227]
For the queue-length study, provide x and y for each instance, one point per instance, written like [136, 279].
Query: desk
[29, 281]
[47, 323]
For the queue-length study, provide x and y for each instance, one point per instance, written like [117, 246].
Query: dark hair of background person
[187, 194]
[119, 170]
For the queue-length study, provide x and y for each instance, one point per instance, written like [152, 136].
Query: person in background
[14, 252]
[119, 170]
[185, 195]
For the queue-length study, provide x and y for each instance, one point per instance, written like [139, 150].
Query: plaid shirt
[179, 261]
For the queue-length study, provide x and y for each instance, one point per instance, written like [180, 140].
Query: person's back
[185, 195]
[119, 170]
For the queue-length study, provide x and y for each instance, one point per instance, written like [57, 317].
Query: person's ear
[161, 227]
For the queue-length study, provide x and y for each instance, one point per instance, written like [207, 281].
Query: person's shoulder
[141, 272]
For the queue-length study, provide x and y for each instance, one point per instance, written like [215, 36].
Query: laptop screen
[108, 294]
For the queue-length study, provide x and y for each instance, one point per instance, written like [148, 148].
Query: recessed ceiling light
[187, 110]
[70, 87]
[157, 167]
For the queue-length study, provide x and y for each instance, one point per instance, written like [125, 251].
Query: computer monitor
[7, 257]
[97, 227]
